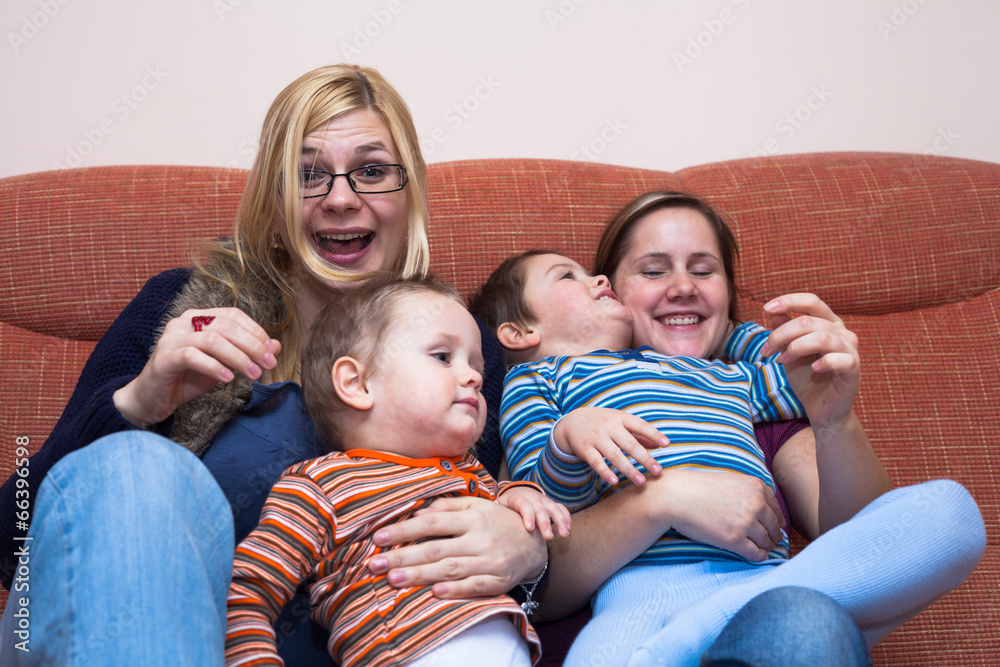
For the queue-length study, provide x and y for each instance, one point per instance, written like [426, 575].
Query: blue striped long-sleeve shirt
[706, 409]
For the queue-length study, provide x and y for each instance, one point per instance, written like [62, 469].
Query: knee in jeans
[792, 599]
[132, 462]
[805, 614]
[789, 625]
[140, 453]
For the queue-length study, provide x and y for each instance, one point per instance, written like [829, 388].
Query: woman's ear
[348, 375]
[517, 337]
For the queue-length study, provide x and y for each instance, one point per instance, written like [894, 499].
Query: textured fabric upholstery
[904, 247]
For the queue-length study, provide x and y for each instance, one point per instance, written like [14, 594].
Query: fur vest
[197, 422]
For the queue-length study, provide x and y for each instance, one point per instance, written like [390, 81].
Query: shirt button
[473, 485]
[446, 465]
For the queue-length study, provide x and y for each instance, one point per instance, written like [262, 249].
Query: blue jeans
[789, 626]
[131, 555]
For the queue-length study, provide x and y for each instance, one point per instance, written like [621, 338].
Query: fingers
[617, 452]
[844, 364]
[763, 533]
[644, 436]
[170, 360]
[536, 509]
[483, 550]
[469, 587]
[450, 576]
[760, 540]
[186, 363]
[816, 316]
[824, 352]
[752, 552]
[549, 513]
[447, 521]
[562, 518]
[527, 512]
[645, 433]
[810, 335]
[544, 517]
[425, 563]
[784, 307]
[771, 521]
[230, 340]
[601, 436]
[595, 458]
[627, 445]
[772, 503]
[768, 534]
[801, 302]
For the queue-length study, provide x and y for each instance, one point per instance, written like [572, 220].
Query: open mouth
[345, 244]
[607, 295]
[678, 321]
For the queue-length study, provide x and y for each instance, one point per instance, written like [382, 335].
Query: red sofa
[904, 247]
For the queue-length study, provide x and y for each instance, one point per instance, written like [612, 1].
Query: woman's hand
[725, 509]
[485, 549]
[821, 359]
[728, 510]
[820, 356]
[595, 434]
[187, 363]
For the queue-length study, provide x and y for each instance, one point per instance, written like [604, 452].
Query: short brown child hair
[501, 298]
[356, 324]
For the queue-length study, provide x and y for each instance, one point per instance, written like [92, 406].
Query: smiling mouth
[345, 244]
[679, 321]
[608, 295]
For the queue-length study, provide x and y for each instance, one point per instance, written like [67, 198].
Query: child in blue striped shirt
[583, 415]
[579, 399]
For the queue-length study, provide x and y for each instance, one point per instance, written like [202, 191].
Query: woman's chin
[356, 263]
[689, 350]
[682, 346]
[686, 340]
[352, 262]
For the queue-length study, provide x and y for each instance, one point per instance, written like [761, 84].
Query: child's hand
[596, 434]
[537, 508]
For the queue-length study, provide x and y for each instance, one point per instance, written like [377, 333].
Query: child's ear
[516, 337]
[348, 375]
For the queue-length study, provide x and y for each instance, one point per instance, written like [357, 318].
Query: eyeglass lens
[370, 179]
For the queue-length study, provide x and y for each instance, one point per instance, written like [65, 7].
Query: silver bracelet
[529, 606]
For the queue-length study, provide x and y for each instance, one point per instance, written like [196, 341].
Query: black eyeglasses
[370, 180]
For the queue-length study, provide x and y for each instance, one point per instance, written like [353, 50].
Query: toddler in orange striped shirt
[392, 378]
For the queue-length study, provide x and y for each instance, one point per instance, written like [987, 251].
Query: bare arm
[733, 511]
[852, 477]
[827, 473]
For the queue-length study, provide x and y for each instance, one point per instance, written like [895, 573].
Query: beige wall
[661, 85]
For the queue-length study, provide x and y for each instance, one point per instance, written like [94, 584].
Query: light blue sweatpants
[893, 559]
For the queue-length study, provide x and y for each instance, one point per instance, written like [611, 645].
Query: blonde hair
[272, 193]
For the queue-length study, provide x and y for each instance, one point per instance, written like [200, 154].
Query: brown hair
[616, 240]
[356, 324]
[251, 263]
[501, 298]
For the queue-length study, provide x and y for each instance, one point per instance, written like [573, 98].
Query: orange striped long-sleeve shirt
[317, 526]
